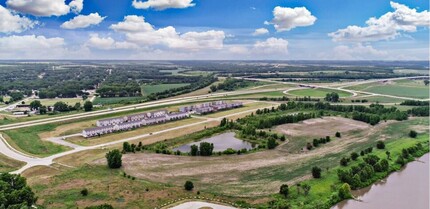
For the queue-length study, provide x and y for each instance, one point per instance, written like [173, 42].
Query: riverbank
[407, 188]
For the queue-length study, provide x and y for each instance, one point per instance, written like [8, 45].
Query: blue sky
[214, 29]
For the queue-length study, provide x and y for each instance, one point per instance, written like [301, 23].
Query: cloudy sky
[215, 29]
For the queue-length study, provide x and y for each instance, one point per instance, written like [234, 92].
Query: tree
[61, 107]
[34, 105]
[223, 122]
[354, 156]
[103, 206]
[84, 192]
[88, 106]
[306, 188]
[271, 143]
[114, 158]
[388, 153]
[316, 172]
[126, 147]
[77, 106]
[332, 97]
[337, 135]
[188, 185]
[426, 82]
[413, 134]
[344, 161]
[380, 145]
[194, 150]
[284, 190]
[206, 148]
[344, 191]
[42, 110]
[14, 192]
[213, 88]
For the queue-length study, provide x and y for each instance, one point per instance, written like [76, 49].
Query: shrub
[344, 191]
[188, 185]
[344, 161]
[380, 145]
[354, 156]
[284, 190]
[84, 192]
[413, 134]
[316, 172]
[338, 135]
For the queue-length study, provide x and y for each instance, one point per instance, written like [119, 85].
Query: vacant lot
[318, 127]
[8, 164]
[150, 89]
[260, 173]
[318, 92]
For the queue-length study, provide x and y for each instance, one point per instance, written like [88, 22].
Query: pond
[407, 188]
[221, 142]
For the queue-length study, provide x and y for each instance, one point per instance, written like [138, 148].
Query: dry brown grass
[8, 164]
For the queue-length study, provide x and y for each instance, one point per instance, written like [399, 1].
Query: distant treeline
[415, 103]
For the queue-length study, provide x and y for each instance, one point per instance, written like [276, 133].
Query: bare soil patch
[326, 126]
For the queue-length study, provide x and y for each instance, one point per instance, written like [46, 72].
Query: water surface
[407, 188]
[221, 142]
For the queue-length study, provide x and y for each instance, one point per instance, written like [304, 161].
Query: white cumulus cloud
[31, 47]
[260, 31]
[285, 18]
[163, 4]
[271, 46]
[11, 23]
[97, 42]
[83, 21]
[386, 27]
[357, 52]
[45, 7]
[140, 32]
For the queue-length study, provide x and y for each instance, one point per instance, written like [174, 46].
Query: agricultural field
[401, 88]
[150, 89]
[318, 92]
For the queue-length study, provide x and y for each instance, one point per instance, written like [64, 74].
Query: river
[407, 188]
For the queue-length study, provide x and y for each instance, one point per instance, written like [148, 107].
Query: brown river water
[405, 189]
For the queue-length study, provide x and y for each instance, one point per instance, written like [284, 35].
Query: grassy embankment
[402, 88]
[318, 92]
[8, 164]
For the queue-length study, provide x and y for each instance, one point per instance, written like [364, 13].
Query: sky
[215, 29]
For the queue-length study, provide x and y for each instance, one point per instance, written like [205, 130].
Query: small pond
[221, 142]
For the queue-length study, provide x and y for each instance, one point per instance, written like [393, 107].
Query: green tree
[126, 147]
[271, 143]
[413, 134]
[84, 192]
[103, 206]
[114, 159]
[61, 107]
[43, 110]
[344, 191]
[34, 105]
[284, 190]
[194, 150]
[426, 82]
[338, 134]
[77, 106]
[14, 192]
[213, 88]
[316, 172]
[354, 156]
[206, 148]
[332, 97]
[306, 189]
[88, 106]
[188, 185]
[380, 145]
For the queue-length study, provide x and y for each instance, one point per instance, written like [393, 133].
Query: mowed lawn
[150, 89]
[401, 88]
[318, 92]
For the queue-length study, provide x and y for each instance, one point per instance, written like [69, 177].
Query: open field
[116, 100]
[318, 92]
[256, 174]
[404, 88]
[150, 89]
[380, 99]
[8, 164]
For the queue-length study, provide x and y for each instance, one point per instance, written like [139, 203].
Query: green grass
[150, 89]
[117, 100]
[402, 88]
[27, 140]
[318, 92]
[380, 99]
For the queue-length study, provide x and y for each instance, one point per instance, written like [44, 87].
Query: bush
[338, 135]
[114, 158]
[84, 192]
[413, 134]
[380, 145]
[344, 161]
[104, 206]
[284, 190]
[344, 191]
[316, 172]
[354, 156]
[188, 185]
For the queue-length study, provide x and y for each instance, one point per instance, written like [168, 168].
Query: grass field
[150, 89]
[8, 164]
[27, 140]
[116, 100]
[380, 99]
[402, 88]
[319, 92]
